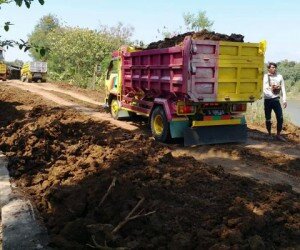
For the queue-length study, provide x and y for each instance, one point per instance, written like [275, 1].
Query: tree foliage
[166, 33]
[290, 71]
[197, 22]
[75, 52]
[40, 36]
[193, 22]
[20, 2]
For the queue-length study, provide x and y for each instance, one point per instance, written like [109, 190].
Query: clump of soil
[293, 131]
[66, 164]
[201, 35]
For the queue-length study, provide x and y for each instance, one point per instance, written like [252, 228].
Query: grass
[293, 96]
[256, 115]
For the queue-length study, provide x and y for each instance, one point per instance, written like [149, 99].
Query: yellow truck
[34, 71]
[3, 71]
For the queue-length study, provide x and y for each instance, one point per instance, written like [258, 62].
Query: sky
[276, 21]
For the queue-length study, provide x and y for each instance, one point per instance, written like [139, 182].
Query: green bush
[74, 53]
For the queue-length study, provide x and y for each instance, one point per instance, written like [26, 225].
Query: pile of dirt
[87, 177]
[292, 131]
[201, 35]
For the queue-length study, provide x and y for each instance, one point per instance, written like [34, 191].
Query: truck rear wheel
[160, 126]
[114, 108]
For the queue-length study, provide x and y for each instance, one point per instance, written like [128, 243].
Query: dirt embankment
[202, 35]
[66, 163]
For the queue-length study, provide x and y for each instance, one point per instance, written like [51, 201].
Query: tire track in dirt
[87, 111]
[51, 87]
[239, 160]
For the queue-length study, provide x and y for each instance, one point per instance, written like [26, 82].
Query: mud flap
[123, 113]
[215, 134]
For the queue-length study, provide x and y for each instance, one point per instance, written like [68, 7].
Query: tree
[120, 32]
[290, 71]
[197, 21]
[74, 52]
[40, 36]
[193, 22]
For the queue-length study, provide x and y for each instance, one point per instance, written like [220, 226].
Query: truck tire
[160, 126]
[114, 108]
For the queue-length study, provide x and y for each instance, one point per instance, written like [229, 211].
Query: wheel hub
[158, 125]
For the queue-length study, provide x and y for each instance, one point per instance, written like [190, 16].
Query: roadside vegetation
[291, 73]
[255, 114]
[76, 54]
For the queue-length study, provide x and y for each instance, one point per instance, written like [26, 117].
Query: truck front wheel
[114, 108]
[160, 127]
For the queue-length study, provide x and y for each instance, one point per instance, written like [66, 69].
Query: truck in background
[198, 90]
[34, 71]
[14, 72]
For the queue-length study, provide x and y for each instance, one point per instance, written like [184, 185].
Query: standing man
[273, 86]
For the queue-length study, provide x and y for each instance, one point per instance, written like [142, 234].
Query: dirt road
[64, 151]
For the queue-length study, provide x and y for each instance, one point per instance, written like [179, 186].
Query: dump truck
[34, 71]
[14, 72]
[197, 90]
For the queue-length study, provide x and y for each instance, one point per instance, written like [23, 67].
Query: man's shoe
[280, 138]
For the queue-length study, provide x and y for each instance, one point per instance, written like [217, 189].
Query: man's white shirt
[275, 79]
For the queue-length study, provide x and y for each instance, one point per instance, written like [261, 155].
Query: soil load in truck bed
[201, 35]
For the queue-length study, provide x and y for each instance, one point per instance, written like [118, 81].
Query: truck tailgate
[2, 68]
[38, 67]
[240, 69]
[226, 71]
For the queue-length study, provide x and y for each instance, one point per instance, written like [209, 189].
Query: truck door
[112, 78]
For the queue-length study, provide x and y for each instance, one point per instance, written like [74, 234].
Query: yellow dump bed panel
[240, 71]
[2, 68]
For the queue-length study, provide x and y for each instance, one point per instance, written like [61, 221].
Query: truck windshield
[112, 68]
